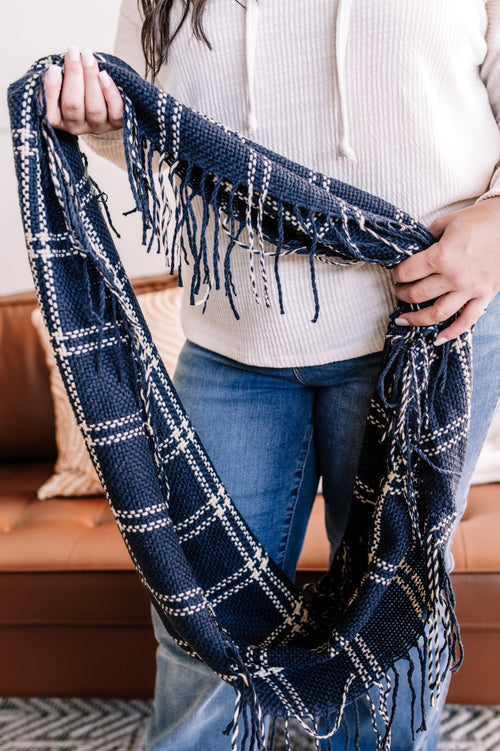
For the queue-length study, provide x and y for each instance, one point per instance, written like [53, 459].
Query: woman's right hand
[84, 100]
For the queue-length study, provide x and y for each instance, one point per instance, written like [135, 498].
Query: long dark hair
[157, 34]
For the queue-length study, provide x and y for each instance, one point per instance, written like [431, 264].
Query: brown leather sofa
[74, 619]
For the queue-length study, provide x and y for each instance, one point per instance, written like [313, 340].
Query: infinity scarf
[287, 653]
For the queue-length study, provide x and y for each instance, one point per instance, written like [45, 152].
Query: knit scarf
[288, 653]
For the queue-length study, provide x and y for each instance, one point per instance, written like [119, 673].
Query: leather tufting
[55, 535]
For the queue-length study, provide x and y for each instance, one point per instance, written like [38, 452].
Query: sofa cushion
[475, 547]
[55, 535]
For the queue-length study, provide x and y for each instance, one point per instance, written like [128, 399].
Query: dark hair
[157, 34]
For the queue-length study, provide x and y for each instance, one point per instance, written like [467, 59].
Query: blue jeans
[271, 433]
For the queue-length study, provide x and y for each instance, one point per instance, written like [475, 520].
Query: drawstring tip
[346, 151]
[252, 125]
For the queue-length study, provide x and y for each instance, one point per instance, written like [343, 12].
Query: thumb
[438, 227]
[53, 85]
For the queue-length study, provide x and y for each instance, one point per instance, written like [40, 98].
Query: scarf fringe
[167, 188]
[324, 729]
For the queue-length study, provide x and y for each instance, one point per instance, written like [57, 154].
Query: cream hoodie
[401, 99]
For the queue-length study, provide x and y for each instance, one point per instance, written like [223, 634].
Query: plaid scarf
[287, 653]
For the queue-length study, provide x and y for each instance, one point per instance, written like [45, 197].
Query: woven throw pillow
[74, 474]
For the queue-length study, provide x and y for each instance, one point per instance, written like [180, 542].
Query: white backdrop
[31, 29]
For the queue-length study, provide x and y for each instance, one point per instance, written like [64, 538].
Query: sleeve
[490, 75]
[127, 47]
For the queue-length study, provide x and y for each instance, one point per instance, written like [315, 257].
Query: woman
[400, 99]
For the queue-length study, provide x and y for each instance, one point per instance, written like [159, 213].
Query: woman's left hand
[460, 271]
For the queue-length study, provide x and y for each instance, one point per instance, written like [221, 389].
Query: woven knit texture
[288, 653]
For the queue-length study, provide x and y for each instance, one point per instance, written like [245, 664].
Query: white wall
[29, 30]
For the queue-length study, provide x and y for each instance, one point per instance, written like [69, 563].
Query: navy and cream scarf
[287, 653]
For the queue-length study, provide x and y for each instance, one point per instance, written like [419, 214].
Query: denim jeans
[271, 433]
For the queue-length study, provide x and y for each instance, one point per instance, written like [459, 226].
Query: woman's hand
[460, 272]
[85, 100]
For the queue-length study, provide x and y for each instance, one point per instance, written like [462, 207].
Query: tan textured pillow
[74, 474]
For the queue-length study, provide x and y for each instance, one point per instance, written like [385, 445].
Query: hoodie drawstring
[344, 148]
[251, 31]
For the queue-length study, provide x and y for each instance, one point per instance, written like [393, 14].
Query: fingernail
[105, 79]
[73, 52]
[53, 75]
[440, 340]
[87, 58]
[401, 322]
